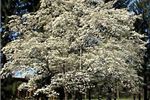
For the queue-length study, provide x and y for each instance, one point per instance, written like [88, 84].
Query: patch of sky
[148, 35]
[22, 7]
[23, 73]
[131, 5]
[1, 29]
[13, 35]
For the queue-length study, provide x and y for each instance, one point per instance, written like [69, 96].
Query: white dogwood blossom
[76, 46]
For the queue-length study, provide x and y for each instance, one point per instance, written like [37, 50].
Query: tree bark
[99, 93]
[134, 97]
[139, 96]
[66, 94]
[117, 91]
[79, 96]
[109, 97]
[89, 94]
[115, 96]
[85, 96]
[145, 85]
[74, 97]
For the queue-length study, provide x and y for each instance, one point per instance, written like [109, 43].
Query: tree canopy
[76, 45]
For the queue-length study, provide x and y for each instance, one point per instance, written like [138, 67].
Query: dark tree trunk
[61, 92]
[145, 72]
[115, 96]
[145, 81]
[73, 97]
[99, 93]
[79, 95]
[89, 94]
[66, 94]
[139, 96]
[134, 97]
[109, 96]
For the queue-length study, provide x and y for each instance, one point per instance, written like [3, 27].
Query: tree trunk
[79, 96]
[117, 91]
[66, 94]
[89, 94]
[134, 97]
[99, 93]
[109, 97]
[115, 96]
[85, 96]
[139, 96]
[26, 93]
[18, 93]
[145, 71]
[74, 97]
[145, 85]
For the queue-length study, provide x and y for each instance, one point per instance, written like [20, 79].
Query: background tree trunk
[139, 96]
[134, 97]
[109, 96]
[74, 97]
[99, 93]
[115, 96]
[85, 96]
[89, 94]
[66, 94]
[117, 91]
[79, 96]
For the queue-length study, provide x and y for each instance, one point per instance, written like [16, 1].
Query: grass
[112, 99]
[117, 99]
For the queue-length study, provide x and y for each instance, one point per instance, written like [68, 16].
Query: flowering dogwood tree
[76, 45]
